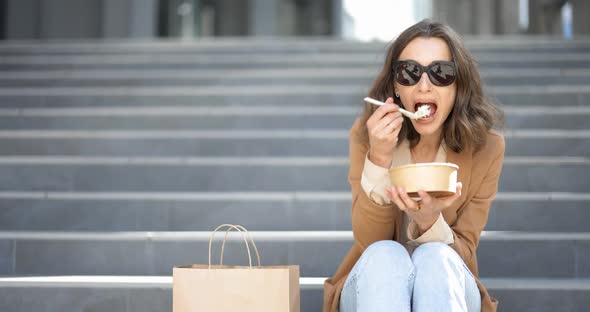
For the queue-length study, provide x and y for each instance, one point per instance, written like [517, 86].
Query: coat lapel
[464, 161]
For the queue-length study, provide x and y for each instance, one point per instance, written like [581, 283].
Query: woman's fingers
[382, 111]
[389, 194]
[401, 199]
[449, 200]
[426, 198]
[399, 127]
[383, 127]
[394, 196]
[390, 130]
[390, 122]
[387, 135]
[410, 203]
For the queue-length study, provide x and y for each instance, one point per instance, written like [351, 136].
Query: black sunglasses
[408, 73]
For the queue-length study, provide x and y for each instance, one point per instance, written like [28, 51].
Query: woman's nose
[424, 84]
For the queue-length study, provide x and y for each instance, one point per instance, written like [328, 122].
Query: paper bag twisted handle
[244, 232]
[240, 229]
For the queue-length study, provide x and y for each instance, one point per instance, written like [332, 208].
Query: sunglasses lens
[442, 74]
[408, 74]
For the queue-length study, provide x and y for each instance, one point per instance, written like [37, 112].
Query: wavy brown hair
[472, 115]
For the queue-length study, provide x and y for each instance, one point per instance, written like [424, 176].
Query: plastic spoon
[422, 111]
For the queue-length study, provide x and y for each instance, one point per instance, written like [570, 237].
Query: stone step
[300, 45]
[239, 174]
[371, 58]
[173, 211]
[263, 82]
[280, 95]
[276, 45]
[366, 54]
[154, 293]
[512, 43]
[348, 72]
[264, 63]
[250, 117]
[540, 254]
[357, 76]
[248, 143]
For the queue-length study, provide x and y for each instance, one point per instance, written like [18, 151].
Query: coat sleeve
[473, 215]
[370, 222]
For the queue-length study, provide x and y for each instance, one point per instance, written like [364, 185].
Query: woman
[419, 255]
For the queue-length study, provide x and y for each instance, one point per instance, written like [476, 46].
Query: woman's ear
[396, 98]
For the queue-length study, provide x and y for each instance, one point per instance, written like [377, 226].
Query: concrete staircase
[117, 159]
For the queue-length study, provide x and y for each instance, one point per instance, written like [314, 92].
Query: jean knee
[383, 275]
[386, 255]
[385, 248]
[435, 256]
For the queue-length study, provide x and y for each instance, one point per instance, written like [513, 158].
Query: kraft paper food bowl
[438, 179]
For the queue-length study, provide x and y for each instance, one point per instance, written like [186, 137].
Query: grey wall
[545, 16]
[581, 16]
[115, 18]
[478, 17]
[232, 18]
[456, 13]
[70, 19]
[264, 15]
[499, 17]
[507, 17]
[22, 19]
[42, 19]
[47, 19]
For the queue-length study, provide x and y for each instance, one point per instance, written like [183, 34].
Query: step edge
[87, 281]
[266, 236]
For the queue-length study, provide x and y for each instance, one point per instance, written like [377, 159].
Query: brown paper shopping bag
[223, 288]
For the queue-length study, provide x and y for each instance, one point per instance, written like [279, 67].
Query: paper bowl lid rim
[440, 164]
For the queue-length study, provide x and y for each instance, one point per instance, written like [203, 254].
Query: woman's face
[440, 99]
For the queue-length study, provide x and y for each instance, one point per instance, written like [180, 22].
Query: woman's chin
[426, 128]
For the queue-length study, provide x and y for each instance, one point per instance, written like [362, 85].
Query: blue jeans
[385, 278]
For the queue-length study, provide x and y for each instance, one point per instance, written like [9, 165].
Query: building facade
[43, 19]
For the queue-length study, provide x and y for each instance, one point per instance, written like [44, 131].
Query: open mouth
[431, 106]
